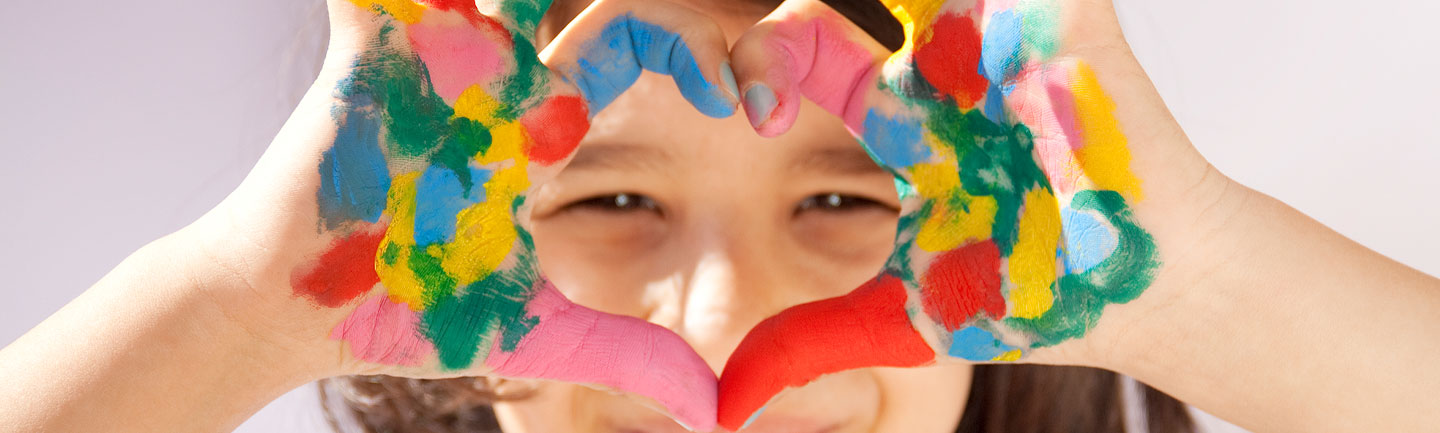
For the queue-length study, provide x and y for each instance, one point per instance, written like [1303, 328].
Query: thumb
[806, 49]
[866, 328]
[572, 343]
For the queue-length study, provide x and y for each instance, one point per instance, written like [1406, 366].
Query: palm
[1016, 232]
[1015, 229]
[445, 122]
[429, 167]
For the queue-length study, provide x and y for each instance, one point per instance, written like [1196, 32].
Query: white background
[123, 121]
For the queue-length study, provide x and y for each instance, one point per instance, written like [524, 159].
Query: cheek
[539, 412]
[847, 250]
[601, 266]
[922, 400]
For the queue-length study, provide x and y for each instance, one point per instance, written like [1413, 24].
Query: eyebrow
[851, 160]
[602, 156]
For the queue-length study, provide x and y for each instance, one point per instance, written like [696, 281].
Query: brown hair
[1004, 398]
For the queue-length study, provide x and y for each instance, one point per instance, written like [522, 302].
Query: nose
[732, 276]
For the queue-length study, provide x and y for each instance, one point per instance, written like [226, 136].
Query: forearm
[142, 350]
[1292, 327]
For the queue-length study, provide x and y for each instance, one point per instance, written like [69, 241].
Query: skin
[710, 254]
[1250, 288]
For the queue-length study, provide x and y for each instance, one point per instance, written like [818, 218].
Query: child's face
[704, 227]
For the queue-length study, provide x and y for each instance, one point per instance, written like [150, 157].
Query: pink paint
[458, 55]
[846, 72]
[384, 332]
[990, 7]
[572, 343]
[1043, 101]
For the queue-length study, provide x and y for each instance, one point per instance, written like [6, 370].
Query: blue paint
[613, 61]
[354, 179]
[894, 141]
[439, 197]
[995, 104]
[754, 416]
[976, 344]
[1000, 50]
[1088, 241]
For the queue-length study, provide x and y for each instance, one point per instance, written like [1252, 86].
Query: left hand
[1016, 228]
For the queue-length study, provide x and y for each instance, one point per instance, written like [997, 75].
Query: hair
[1004, 398]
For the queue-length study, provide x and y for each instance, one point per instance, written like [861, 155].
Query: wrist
[233, 308]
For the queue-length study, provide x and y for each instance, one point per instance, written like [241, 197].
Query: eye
[617, 203]
[836, 202]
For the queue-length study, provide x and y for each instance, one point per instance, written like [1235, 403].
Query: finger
[867, 328]
[804, 48]
[603, 51]
[572, 343]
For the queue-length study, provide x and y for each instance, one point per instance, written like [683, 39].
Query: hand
[1016, 229]
[445, 119]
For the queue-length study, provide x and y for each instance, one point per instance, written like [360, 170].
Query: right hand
[404, 236]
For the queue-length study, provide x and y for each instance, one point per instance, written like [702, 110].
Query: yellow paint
[403, 286]
[507, 143]
[485, 232]
[1013, 355]
[476, 104]
[1104, 157]
[406, 11]
[915, 16]
[1032, 263]
[948, 227]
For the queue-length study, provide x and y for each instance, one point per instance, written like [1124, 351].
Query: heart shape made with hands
[1014, 178]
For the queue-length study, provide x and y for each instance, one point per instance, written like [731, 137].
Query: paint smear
[342, 273]
[815, 58]
[962, 283]
[976, 344]
[612, 61]
[576, 344]
[383, 332]
[866, 328]
[353, 174]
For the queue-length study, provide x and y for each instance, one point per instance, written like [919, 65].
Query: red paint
[343, 273]
[555, 128]
[467, 9]
[963, 282]
[951, 60]
[867, 328]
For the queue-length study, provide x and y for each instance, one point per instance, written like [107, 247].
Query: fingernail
[759, 103]
[727, 76]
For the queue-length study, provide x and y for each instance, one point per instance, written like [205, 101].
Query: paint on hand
[1017, 230]
[816, 59]
[612, 61]
[439, 122]
[384, 332]
[1025, 159]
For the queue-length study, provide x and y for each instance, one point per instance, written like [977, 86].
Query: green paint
[994, 160]
[525, 13]
[899, 263]
[415, 118]
[1120, 278]
[461, 325]
[1040, 27]
[431, 274]
[468, 138]
[493, 307]
[531, 78]
[390, 254]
